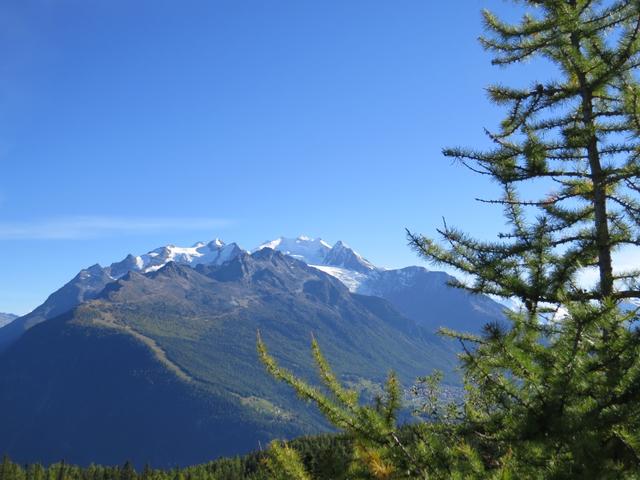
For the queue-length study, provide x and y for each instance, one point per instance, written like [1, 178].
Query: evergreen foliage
[284, 462]
[555, 393]
[380, 447]
[326, 456]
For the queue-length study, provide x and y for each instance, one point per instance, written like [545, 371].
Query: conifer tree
[62, 471]
[558, 393]
[127, 472]
[284, 463]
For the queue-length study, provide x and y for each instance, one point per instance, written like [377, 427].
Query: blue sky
[128, 125]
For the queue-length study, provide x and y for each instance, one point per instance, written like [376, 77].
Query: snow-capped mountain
[416, 292]
[89, 282]
[215, 252]
[309, 250]
[99, 335]
[206, 390]
[422, 295]
[315, 251]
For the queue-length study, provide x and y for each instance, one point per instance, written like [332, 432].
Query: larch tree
[559, 387]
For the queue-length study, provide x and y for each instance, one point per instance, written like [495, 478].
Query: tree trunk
[603, 240]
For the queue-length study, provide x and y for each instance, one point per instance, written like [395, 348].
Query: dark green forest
[327, 456]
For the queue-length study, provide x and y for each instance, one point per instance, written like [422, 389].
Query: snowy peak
[339, 261]
[309, 250]
[315, 251]
[214, 244]
[215, 252]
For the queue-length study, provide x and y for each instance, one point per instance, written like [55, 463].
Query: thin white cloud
[94, 226]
